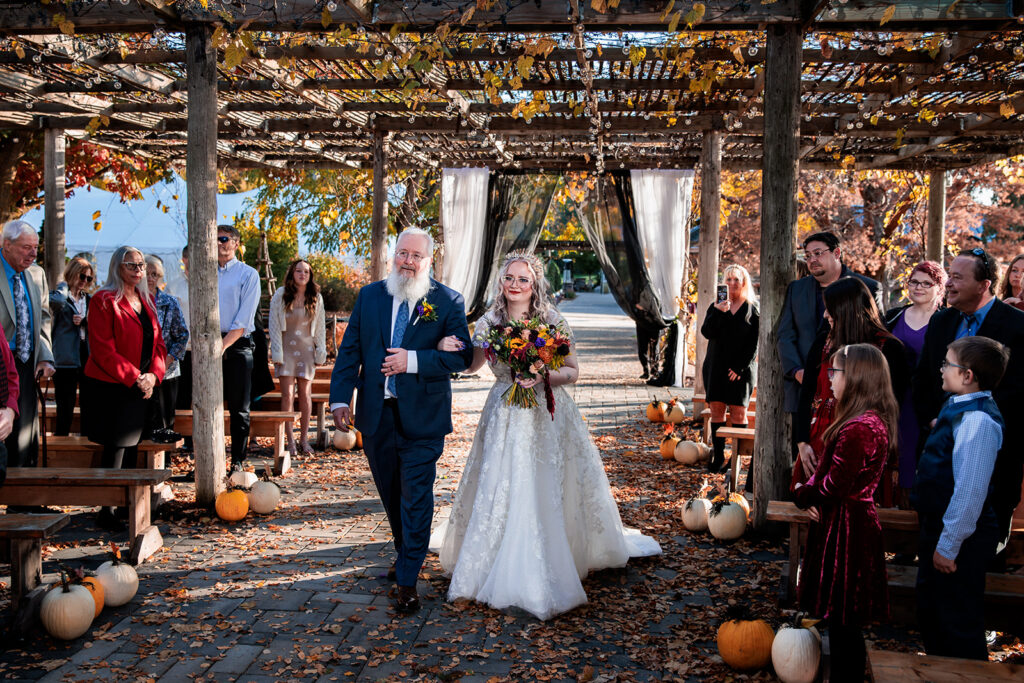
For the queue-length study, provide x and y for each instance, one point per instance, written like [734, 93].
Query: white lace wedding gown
[533, 513]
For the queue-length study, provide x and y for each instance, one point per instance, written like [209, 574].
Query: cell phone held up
[722, 294]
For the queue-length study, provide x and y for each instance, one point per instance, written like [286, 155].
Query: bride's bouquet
[531, 349]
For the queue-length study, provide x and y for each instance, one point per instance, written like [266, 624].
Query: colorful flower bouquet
[530, 349]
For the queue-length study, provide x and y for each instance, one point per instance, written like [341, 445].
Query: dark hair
[231, 230]
[827, 238]
[184, 251]
[855, 317]
[1005, 289]
[983, 356]
[312, 288]
[984, 267]
[868, 387]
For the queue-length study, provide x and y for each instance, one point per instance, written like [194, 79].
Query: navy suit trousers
[403, 470]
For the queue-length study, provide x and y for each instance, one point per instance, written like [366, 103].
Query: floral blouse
[174, 329]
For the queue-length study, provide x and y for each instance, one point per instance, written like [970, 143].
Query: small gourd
[726, 520]
[242, 478]
[656, 411]
[94, 586]
[232, 505]
[695, 513]
[68, 610]
[691, 452]
[119, 579]
[264, 496]
[345, 441]
[668, 446]
[745, 644]
[796, 651]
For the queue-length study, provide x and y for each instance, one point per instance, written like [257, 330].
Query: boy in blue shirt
[958, 528]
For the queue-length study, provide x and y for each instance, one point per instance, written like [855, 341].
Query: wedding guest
[175, 334]
[959, 529]
[69, 305]
[731, 330]
[1012, 284]
[852, 318]
[298, 342]
[179, 290]
[9, 392]
[126, 362]
[926, 287]
[843, 578]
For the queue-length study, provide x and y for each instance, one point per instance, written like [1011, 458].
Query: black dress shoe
[392, 574]
[406, 600]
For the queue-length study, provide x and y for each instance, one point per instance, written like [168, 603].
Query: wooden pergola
[553, 86]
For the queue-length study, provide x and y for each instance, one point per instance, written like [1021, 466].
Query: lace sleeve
[555, 318]
[481, 329]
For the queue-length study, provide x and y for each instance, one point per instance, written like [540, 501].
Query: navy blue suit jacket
[424, 398]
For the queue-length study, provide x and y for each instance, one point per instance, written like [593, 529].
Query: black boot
[717, 448]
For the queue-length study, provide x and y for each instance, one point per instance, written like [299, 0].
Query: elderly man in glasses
[25, 316]
[975, 311]
[239, 295]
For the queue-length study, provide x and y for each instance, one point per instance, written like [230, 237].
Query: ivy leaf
[887, 15]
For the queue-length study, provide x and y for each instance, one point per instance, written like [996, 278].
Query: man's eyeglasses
[816, 254]
[85, 278]
[920, 284]
[137, 267]
[407, 256]
[832, 372]
[522, 281]
[946, 364]
[223, 239]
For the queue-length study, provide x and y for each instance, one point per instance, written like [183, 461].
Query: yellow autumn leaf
[887, 15]
[899, 138]
[325, 17]
[668, 8]
[1006, 109]
[737, 52]
[467, 15]
[674, 22]
[848, 161]
[695, 15]
[97, 226]
[95, 215]
[20, 51]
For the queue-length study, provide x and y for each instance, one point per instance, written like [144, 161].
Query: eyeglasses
[85, 278]
[407, 256]
[920, 284]
[816, 254]
[137, 267]
[946, 364]
[980, 253]
[522, 281]
[832, 372]
[224, 239]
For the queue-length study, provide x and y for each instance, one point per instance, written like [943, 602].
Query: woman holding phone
[730, 327]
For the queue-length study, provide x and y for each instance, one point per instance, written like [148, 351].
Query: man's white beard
[411, 289]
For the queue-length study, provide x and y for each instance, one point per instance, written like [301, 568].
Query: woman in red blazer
[126, 361]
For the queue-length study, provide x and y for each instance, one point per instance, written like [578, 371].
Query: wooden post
[935, 239]
[53, 191]
[204, 309]
[780, 169]
[379, 225]
[710, 220]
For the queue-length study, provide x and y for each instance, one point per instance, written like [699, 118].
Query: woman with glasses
[126, 362]
[926, 286]
[298, 342]
[175, 334]
[1011, 286]
[69, 306]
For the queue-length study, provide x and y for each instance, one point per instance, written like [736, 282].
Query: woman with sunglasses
[69, 305]
[926, 287]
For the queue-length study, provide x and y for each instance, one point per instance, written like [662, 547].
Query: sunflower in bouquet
[531, 349]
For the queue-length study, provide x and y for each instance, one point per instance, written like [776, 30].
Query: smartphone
[723, 293]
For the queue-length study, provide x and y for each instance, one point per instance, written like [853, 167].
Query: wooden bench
[25, 534]
[272, 401]
[1004, 598]
[705, 416]
[92, 487]
[743, 444]
[78, 451]
[261, 423]
[902, 667]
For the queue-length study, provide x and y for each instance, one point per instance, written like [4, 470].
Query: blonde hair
[748, 286]
[75, 267]
[540, 298]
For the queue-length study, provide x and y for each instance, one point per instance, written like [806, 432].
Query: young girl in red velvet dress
[843, 576]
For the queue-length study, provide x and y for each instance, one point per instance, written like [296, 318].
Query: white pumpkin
[264, 497]
[242, 478]
[67, 611]
[675, 414]
[120, 582]
[796, 653]
[691, 452]
[695, 514]
[344, 441]
[727, 521]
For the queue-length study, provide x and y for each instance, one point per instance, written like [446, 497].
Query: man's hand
[6, 422]
[230, 338]
[799, 376]
[942, 564]
[44, 369]
[342, 418]
[808, 459]
[396, 362]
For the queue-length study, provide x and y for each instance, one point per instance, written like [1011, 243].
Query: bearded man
[404, 405]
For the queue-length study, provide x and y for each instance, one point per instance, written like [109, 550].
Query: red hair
[932, 270]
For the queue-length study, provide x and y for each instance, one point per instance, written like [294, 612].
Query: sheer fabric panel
[464, 193]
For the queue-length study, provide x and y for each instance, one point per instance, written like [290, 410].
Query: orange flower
[546, 353]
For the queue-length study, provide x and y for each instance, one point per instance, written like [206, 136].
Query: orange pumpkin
[745, 644]
[656, 411]
[232, 505]
[359, 440]
[668, 447]
[96, 588]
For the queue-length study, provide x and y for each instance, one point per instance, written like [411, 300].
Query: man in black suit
[974, 310]
[804, 308]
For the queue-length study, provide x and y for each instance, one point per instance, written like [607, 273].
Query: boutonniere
[425, 311]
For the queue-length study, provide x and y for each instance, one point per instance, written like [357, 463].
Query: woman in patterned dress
[175, 334]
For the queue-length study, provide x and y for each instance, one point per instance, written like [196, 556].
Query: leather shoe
[406, 600]
[392, 574]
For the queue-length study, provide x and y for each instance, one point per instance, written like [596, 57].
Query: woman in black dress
[731, 330]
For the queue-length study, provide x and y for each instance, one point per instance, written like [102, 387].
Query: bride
[533, 513]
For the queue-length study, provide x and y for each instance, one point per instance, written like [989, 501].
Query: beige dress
[298, 354]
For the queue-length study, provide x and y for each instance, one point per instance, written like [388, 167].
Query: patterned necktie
[23, 326]
[970, 320]
[401, 322]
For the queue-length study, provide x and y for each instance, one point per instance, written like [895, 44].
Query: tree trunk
[710, 221]
[11, 153]
[204, 309]
[780, 170]
[53, 193]
[379, 225]
[934, 244]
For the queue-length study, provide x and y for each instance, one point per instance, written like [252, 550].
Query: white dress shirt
[412, 367]
[238, 287]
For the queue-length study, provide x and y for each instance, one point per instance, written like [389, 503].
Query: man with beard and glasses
[404, 404]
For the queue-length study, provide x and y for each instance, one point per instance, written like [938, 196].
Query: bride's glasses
[523, 282]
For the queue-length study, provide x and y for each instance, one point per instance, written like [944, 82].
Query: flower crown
[528, 257]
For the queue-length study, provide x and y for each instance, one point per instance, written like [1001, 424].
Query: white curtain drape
[662, 203]
[463, 218]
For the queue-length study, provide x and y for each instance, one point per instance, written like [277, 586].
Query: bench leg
[734, 466]
[282, 458]
[794, 561]
[162, 492]
[321, 426]
[26, 566]
[145, 537]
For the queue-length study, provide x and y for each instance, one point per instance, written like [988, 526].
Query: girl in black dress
[731, 330]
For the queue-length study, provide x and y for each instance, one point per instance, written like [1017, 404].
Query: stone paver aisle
[297, 595]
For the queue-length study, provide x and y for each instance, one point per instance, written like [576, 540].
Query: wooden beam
[710, 225]
[379, 221]
[53, 198]
[936, 237]
[779, 175]
[204, 307]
